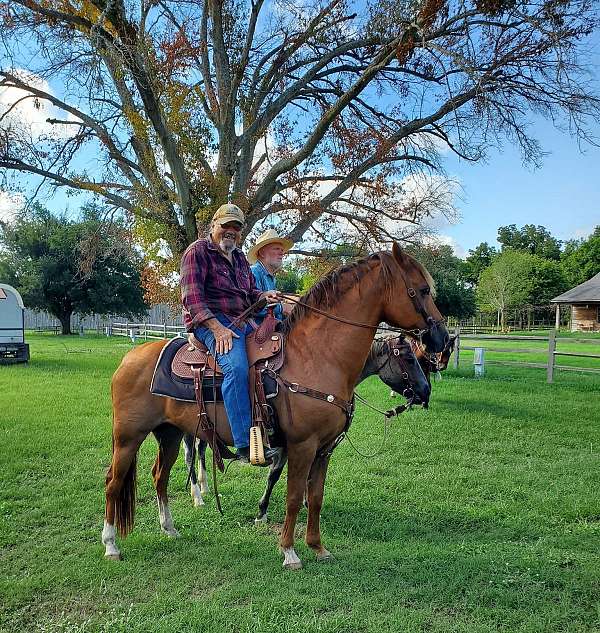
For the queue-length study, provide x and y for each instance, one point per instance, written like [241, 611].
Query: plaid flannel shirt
[211, 284]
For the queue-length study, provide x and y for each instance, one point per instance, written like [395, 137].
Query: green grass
[482, 514]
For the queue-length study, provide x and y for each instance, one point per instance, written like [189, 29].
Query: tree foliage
[331, 116]
[454, 297]
[504, 284]
[582, 259]
[536, 240]
[479, 259]
[65, 266]
[517, 280]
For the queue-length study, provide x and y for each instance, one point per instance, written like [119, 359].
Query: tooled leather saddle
[182, 365]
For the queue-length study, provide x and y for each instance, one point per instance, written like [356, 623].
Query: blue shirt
[264, 281]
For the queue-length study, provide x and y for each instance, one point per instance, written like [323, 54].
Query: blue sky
[563, 195]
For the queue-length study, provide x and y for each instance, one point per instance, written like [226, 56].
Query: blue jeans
[235, 380]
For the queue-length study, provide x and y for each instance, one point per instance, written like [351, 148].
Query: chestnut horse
[327, 341]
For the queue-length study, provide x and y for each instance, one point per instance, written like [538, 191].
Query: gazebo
[584, 300]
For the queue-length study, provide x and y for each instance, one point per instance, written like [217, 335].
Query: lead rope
[387, 416]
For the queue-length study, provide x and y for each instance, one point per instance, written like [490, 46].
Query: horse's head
[402, 372]
[410, 302]
[444, 357]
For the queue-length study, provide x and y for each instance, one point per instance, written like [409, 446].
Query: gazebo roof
[587, 292]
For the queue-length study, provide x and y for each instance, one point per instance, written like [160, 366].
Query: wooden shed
[584, 300]
[13, 348]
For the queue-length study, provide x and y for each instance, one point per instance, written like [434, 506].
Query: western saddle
[264, 347]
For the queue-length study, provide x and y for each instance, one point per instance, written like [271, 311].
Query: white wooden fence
[550, 365]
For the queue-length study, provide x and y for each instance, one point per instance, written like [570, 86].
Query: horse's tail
[125, 501]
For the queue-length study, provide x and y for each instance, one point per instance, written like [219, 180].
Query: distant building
[584, 300]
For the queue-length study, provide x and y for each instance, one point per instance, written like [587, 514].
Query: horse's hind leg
[120, 491]
[202, 466]
[274, 475]
[169, 439]
[316, 485]
[189, 442]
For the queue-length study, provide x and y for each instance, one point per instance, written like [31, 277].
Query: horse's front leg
[316, 486]
[300, 458]
[274, 475]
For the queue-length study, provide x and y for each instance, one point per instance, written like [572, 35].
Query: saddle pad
[165, 383]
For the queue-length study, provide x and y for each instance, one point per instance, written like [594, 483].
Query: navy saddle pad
[164, 383]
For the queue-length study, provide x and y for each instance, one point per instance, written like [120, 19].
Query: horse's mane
[328, 291]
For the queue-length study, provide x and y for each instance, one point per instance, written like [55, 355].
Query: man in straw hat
[216, 287]
[266, 257]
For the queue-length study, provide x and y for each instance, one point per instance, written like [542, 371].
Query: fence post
[164, 329]
[551, 350]
[456, 346]
[479, 361]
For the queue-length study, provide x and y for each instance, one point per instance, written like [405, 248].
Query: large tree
[519, 281]
[314, 112]
[64, 266]
[536, 240]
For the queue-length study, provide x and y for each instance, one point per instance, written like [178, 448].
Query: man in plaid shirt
[217, 285]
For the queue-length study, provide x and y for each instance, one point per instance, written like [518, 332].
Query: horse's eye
[425, 291]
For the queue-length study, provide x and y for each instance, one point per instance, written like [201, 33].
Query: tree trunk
[65, 322]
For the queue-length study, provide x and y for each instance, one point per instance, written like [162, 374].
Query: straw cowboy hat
[270, 236]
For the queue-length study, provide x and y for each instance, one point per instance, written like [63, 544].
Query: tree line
[522, 275]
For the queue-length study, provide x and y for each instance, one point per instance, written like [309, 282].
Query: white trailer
[13, 348]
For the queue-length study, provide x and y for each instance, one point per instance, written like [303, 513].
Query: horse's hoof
[198, 503]
[113, 557]
[290, 559]
[324, 556]
[261, 520]
[293, 566]
[172, 533]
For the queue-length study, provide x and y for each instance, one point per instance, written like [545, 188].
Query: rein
[390, 328]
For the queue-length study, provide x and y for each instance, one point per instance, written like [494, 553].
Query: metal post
[456, 346]
[479, 361]
[164, 329]
[557, 320]
[551, 350]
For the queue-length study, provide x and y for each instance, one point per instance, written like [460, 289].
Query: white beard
[227, 247]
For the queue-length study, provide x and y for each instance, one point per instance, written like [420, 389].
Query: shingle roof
[587, 291]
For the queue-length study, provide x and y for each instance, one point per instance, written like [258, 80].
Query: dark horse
[325, 352]
[392, 359]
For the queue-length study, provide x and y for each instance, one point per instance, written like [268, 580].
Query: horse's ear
[398, 253]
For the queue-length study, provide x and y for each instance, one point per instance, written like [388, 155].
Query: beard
[228, 242]
[227, 246]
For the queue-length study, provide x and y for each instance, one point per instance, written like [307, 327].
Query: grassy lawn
[482, 514]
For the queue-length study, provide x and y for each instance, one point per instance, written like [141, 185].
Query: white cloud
[10, 204]
[29, 114]
[458, 249]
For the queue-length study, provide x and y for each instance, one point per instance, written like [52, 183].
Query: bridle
[396, 351]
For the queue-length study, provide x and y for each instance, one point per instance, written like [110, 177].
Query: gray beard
[226, 248]
[273, 267]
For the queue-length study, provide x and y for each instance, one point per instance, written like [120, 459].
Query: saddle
[265, 350]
